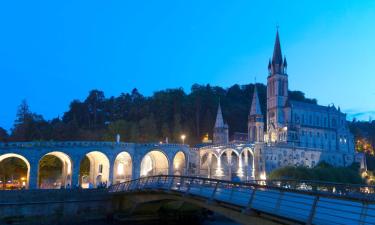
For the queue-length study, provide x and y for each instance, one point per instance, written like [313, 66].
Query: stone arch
[94, 170]
[26, 180]
[122, 167]
[229, 160]
[64, 178]
[153, 163]
[179, 163]
[209, 165]
[246, 168]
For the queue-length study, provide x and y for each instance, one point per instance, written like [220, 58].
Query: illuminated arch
[209, 165]
[98, 170]
[65, 178]
[154, 163]
[13, 155]
[247, 163]
[229, 160]
[122, 168]
[179, 164]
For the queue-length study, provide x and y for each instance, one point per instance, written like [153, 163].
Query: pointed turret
[285, 63]
[255, 124]
[255, 105]
[219, 118]
[221, 130]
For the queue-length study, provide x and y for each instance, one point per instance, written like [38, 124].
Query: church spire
[255, 105]
[277, 57]
[277, 64]
[219, 118]
[255, 124]
[221, 130]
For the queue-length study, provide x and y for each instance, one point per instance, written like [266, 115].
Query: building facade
[296, 134]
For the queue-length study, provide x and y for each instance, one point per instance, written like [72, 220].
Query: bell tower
[277, 92]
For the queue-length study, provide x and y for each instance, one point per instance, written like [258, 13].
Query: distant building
[297, 133]
[239, 137]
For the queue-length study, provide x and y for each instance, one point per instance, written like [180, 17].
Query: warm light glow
[183, 136]
[219, 171]
[146, 166]
[263, 176]
[120, 169]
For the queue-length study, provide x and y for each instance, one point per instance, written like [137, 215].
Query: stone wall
[53, 206]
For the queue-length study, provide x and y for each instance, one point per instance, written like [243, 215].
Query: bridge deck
[298, 205]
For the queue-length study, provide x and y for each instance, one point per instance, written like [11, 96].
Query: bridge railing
[308, 202]
[353, 191]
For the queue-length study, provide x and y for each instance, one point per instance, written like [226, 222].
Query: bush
[322, 172]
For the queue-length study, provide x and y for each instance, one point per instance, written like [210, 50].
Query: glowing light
[146, 166]
[219, 171]
[263, 176]
[120, 169]
[183, 136]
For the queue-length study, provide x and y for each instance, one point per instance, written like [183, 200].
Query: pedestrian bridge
[260, 202]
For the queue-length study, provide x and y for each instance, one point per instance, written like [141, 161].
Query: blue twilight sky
[52, 52]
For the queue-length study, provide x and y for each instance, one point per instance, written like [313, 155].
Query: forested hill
[137, 118]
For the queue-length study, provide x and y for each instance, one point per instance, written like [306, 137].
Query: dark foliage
[137, 118]
[3, 135]
[322, 172]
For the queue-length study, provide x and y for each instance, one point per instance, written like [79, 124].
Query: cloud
[360, 115]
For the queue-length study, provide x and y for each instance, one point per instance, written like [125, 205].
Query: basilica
[295, 134]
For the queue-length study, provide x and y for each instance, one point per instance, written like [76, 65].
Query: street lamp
[183, 136]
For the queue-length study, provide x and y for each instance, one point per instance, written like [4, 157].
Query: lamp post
[183, 136]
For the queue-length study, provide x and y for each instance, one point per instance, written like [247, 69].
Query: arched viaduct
[108, 162]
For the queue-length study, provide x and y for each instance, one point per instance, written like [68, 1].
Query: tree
[177, 128]
[95, 107]
[166, 113]
[3, 135]
[165, 131]
[23, 113]
[120, 127]
[322, 172]
[29, 126]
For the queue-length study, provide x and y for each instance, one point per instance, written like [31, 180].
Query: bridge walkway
[300, 202]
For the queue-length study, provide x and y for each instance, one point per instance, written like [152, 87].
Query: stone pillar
[170, 158]
[136, 172]
[240, 167]
[75, 173]
[229, 160]
[246, 164]
[219, 169]
[209, 165]
[111, 172]
[33, 178]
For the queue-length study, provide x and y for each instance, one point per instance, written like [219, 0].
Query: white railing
[301, 202]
